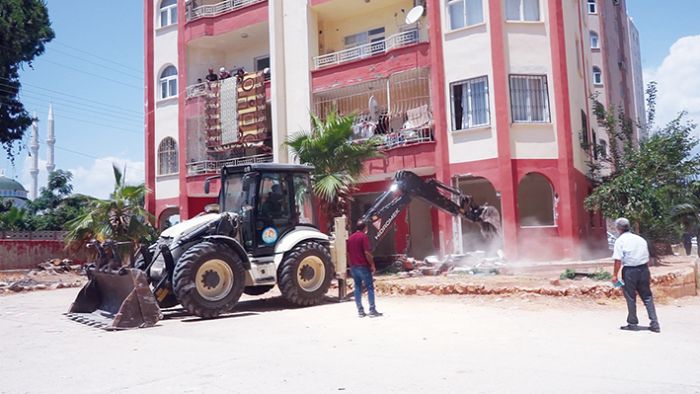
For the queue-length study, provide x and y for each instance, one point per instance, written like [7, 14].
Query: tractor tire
[257, 290]
[305, 274]
[209, 279]
[170, 300]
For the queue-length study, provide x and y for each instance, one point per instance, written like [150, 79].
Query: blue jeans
[362, 275]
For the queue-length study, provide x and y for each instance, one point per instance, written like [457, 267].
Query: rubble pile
[48, 275]
[56, 266]
[474, 263]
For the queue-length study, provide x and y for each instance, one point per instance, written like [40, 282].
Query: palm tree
[338, 161]
[121, 218]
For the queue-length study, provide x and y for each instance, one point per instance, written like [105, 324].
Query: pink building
[490, 96]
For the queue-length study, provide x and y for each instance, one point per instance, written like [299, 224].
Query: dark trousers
[688, 243]
[637, 280]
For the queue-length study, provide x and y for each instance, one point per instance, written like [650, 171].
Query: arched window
[595, 42]
[592, 7]
[168, 12]
[597, 76]
[168, 82]
[167, 156]
[536, 201]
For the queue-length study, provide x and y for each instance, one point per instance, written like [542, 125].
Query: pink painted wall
[28, 252]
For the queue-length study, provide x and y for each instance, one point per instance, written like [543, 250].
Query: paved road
[422, 344]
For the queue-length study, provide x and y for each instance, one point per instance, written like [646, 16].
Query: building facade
[489, 96]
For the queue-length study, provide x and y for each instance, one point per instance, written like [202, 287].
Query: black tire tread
[184, 288]
[287, 274]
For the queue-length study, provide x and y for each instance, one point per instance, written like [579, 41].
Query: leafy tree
[55, 206]
[14, 219]
[121, 218]
[337, 161]
[24, 30]
[644, 182]
[687, 213]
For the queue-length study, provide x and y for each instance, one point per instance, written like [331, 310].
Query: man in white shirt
[632, 254]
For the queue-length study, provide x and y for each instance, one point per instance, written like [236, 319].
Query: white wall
[166, 120]
[290, 32]
[166, 111]
[528, 51]
[467, 54]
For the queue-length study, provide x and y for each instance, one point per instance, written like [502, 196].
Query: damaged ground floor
[540, 203]
[542, 211]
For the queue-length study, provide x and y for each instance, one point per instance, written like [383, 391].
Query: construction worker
[362, 267]
[631, 252]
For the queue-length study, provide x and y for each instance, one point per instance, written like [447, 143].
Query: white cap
[222, 69]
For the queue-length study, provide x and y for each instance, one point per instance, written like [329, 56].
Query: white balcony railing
[213, 166]
[211, 10]
[366, 50]
[197, 90]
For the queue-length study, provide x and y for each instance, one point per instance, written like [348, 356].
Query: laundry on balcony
[395, 110]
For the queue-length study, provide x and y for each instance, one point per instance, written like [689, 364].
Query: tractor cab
[271, 200]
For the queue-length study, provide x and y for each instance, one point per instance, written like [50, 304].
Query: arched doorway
[536, 201]
[168, 218]
[471, 239]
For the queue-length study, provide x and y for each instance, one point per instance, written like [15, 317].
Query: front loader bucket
[116, 301]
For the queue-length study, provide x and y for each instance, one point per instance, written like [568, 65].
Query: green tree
[687, 214]
[644, 183]
[14, 219]
[55, 206]
[122, 217]
[24, 30]
[337, 161]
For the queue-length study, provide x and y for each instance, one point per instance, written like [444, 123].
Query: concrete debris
[56, 266]
[472, 263]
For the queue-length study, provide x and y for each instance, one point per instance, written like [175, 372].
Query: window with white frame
[470, 103]
[167, 156]
[529, 100]
[592, 7]
[261, 63]
[168, 82]
[595, 40]
[375, 37]
[168, 12]
[523, 10]
[465, 13]
[597, 76]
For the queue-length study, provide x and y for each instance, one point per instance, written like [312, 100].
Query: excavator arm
[407, 186]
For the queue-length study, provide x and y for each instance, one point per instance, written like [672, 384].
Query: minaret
[50, 141]
[34, 151]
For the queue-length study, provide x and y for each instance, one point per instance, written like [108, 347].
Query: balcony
[227, 123]
[376, 48]
[214, 166]
[200, 9]
[395, 110]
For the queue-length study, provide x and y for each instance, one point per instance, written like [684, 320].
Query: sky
[92, 72]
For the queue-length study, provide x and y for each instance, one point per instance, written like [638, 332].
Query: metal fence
[398, 40]
[210, 10]
[214, 166]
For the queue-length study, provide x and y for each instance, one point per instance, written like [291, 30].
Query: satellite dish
[414, 14]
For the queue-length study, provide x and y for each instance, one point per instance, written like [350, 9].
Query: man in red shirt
[362, 267]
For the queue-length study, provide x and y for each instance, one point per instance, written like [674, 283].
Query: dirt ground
[422, 344]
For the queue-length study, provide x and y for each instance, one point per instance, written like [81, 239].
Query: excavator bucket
[116, 300]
